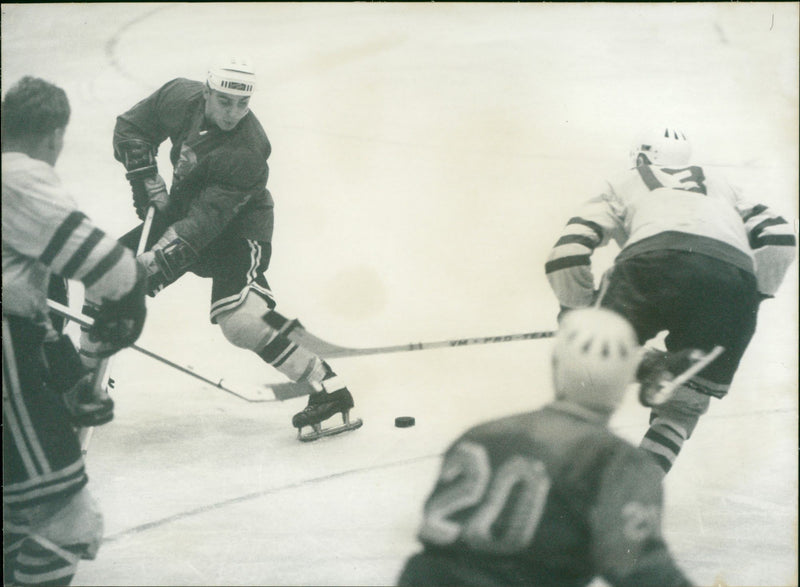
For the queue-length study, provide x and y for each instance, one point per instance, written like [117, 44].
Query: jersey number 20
[495, 513]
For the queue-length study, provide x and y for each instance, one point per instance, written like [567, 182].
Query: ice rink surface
[425, 158]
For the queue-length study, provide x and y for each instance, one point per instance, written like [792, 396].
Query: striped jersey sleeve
[569, 266]
[42, 227]
[773, 243]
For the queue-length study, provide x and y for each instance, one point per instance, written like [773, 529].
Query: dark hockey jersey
[219, 178]
[44, 233]
[659, 208]
[544, 498]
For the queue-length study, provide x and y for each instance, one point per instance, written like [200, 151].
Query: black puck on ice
[404, 421]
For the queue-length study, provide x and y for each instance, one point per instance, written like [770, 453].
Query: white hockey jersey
[659, 208]
[44, 232]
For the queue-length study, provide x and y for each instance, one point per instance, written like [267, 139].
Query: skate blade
[319, 432]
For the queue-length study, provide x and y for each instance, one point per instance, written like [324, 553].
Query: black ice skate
[321, 406]
[660, 373]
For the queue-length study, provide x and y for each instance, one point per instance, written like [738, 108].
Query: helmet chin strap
[641, 159]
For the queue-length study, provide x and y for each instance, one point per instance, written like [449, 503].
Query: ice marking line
[255, 495]
[111, 44]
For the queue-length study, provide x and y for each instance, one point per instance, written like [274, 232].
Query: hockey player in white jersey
[50, 521]
[696, 260]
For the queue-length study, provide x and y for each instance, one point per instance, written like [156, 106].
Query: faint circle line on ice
[111, 44]
[256, 495]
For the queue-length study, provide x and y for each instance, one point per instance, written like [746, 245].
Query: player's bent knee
[244, 327]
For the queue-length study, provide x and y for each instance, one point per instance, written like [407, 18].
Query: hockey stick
[280, 391]
[669, 388]
[103, 375]
[693, 370]
[299, 335]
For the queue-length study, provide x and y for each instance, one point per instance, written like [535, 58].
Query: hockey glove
[64, 365]
[166, 261]
[89, 405]
[149, 188]
[68, 376]
[119, 322]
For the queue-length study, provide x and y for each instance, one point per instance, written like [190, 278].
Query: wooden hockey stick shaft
[673, 384]
[103, 374]
[148, 224]
[298, 334]
[86, 321]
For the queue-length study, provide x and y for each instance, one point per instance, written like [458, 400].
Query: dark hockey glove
[149, 188]
[64, 365]
[120, 322]
[68, 376]
[166, 261]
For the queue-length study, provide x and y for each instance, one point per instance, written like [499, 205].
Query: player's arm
[569, 265]
[233, 178]
[628, 547]
[138, 134]
[46, 226]
[773, 243]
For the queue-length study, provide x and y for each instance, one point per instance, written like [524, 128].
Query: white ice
[425, 157]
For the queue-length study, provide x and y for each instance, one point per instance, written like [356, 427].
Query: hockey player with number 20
[216, 221]
[552, 497]
[696, 261]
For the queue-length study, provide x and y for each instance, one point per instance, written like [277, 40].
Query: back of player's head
[232, 75]
[594, 358]
[661, 145]
[34, 107]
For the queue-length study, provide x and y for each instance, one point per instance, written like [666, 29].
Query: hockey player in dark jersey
[50, 520]
[216, 221]
[552, 497]
[696, 261]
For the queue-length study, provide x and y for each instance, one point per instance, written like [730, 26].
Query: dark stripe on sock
[285, 357]
[661, 461]
[662, 440]
[275, 320]
[274, 349]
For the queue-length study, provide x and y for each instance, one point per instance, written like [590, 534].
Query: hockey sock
[295, 362]
[41, 562]
[664, 440]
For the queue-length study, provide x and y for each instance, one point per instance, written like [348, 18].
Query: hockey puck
[404, 421]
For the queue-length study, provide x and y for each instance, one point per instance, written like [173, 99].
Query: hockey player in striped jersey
[552, 497]
[696, 260]
[50, 521]
[216, 221]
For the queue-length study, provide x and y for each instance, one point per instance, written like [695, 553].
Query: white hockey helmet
[662, 145]
[232, 75]
[595, 356]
